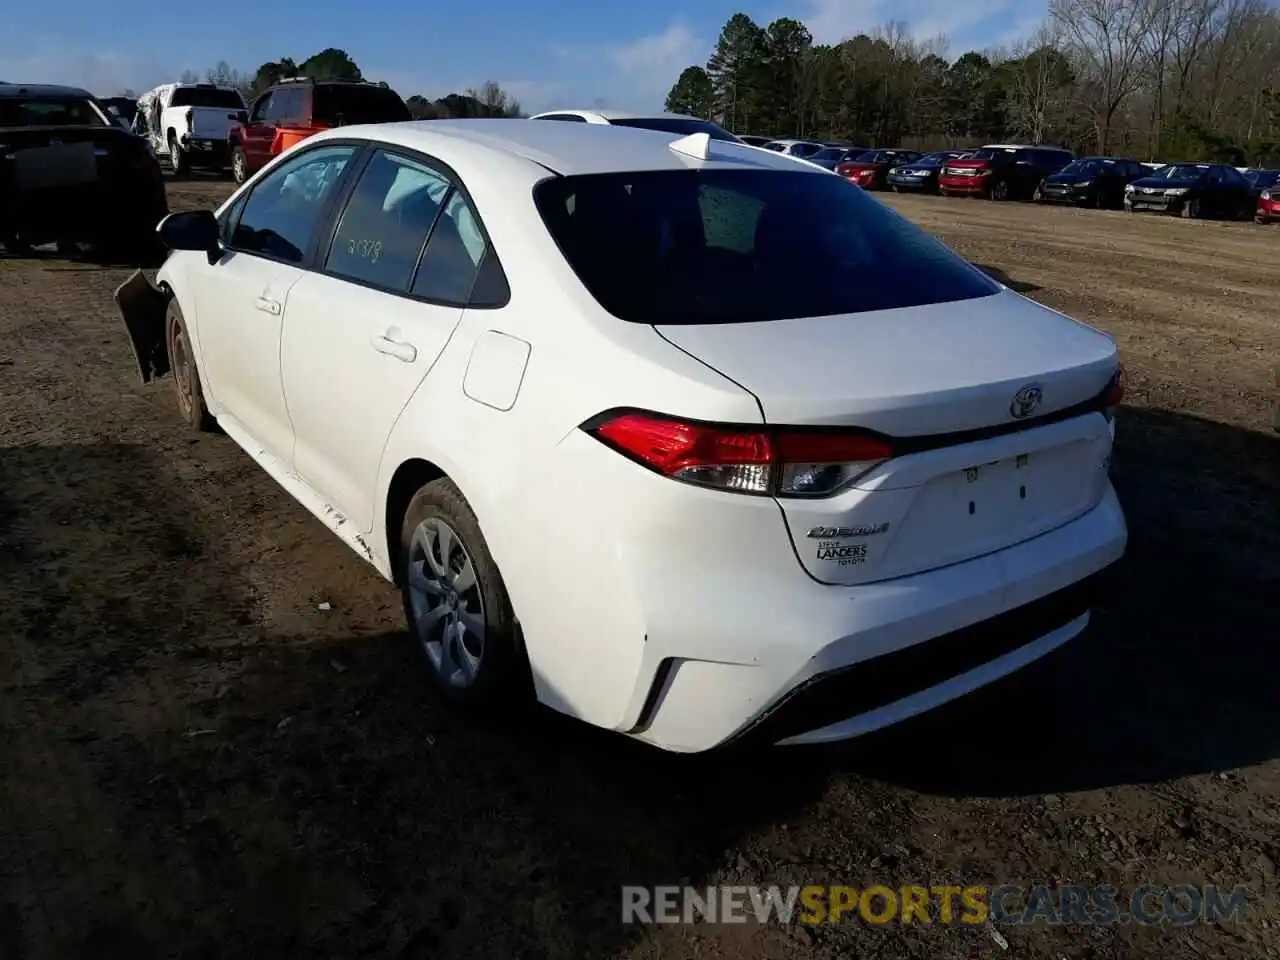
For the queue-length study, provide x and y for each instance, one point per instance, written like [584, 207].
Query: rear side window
[735, 246]
[340, 104]
[386, 222]
[566, 117]
[206, 97]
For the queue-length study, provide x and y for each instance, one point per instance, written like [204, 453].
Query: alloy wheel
[444, 596]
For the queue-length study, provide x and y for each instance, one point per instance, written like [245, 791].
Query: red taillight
[1115, 393]
[789, 462]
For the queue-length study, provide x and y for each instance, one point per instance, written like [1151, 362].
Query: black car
[921, 174]
[1192, 190]
[68, 173]
[1092, 182]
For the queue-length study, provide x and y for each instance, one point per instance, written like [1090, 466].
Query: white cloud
[632, 75]
[831, 21]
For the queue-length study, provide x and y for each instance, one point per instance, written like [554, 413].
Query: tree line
[488, 100]
[1151, 79]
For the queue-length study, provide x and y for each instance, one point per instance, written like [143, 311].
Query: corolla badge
[1026, 400]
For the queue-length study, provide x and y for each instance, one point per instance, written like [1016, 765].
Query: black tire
[500, 683]
[186, 375]
[239, 165]
[999, 191]
[179, 162]
[1191, 210]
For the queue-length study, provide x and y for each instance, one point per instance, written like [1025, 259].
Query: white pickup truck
[188, 123]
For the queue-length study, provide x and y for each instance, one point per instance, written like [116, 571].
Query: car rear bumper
[864, 657]
[1267, 211]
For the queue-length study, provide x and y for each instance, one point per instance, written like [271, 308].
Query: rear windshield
[1262, 178]
[679, 125]
[833, 154]
[49, 112]
[348, 103]
[206, 97]
[732, 246]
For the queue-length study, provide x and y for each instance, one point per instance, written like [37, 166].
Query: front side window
[262, 108]
[730, 246]
[386, 222]
[283, 211]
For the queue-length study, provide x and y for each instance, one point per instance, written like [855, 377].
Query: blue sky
[569, 53]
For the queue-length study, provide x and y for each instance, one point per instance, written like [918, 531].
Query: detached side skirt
[143, 308]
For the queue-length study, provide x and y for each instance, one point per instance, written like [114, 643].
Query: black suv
[293, 110]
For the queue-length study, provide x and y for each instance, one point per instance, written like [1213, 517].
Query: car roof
[40, 90]
[565, 148]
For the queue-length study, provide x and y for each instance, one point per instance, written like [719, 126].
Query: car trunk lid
[988, 406]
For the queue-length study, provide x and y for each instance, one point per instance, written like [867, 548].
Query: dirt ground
[197, 760]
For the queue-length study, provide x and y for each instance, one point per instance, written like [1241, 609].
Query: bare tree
[1038, 79]
[1106, 38]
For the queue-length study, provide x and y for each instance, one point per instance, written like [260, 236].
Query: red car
[870, 170]
[292, 110]
[1002, 171]
[1267, 184]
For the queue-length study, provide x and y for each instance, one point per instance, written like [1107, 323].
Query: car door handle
[267, 305]
[405, 352]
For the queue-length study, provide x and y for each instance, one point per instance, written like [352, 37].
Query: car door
[1214, 193]
[363, 332]
[1238, 198]
[260, 131]
[269, 236]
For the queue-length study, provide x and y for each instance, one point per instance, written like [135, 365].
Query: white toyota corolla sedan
[686, 439]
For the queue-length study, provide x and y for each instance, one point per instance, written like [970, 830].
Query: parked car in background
[921, 174]
[870, 169]
[1092, 182]
[792, 557]
[677, 123]
[293, 110]
[122, 108]
[69, 174]
[187, 123]
[1266, 188]
[1192, 190]
[1002, 171]
[831, 155]
[805, 149]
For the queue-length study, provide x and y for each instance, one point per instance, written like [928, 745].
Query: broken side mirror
[192, 230]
